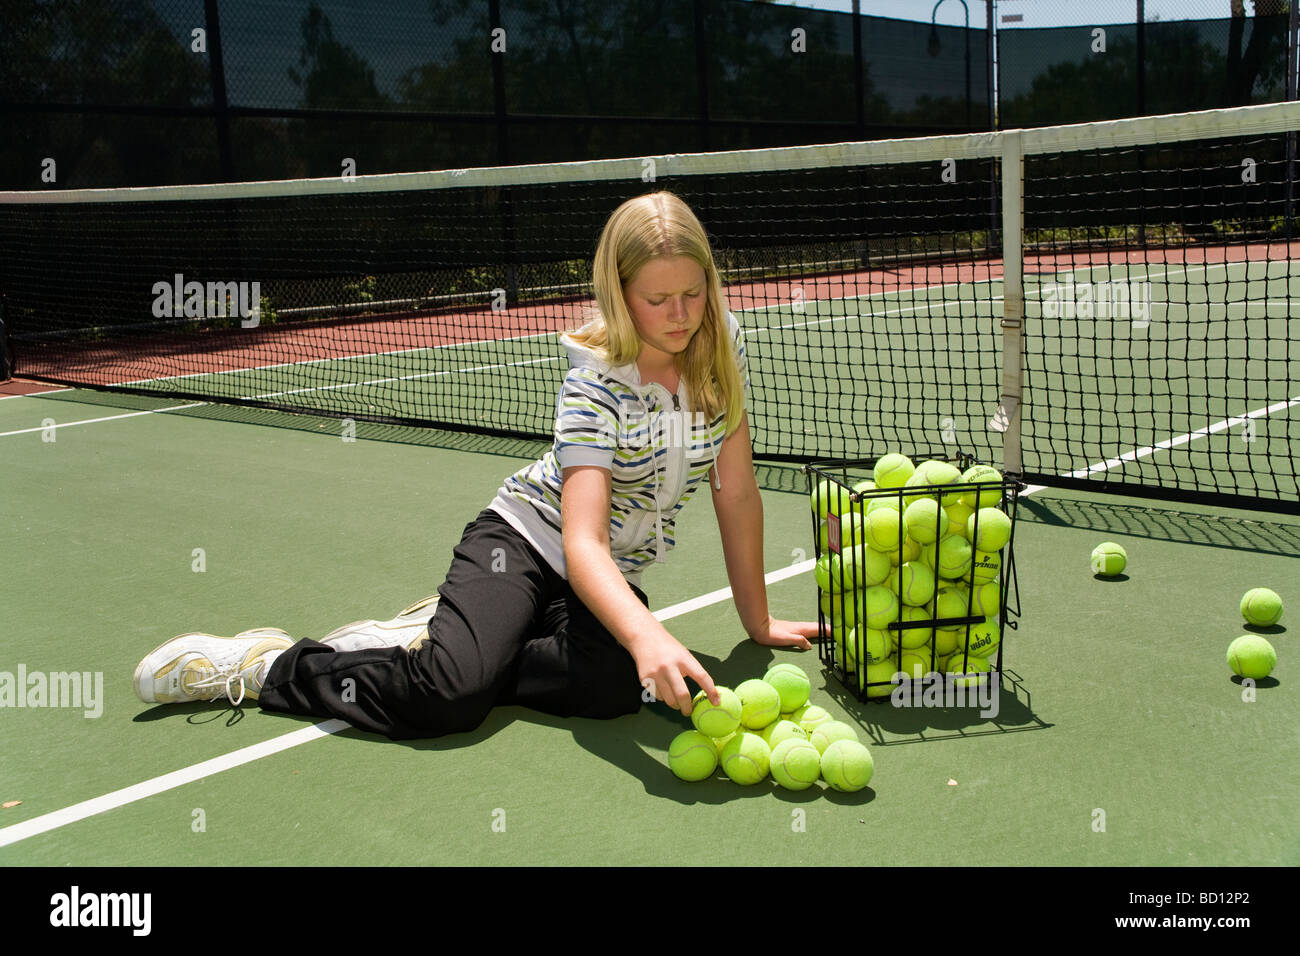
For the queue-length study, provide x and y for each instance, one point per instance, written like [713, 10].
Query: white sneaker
[204, 667]
[409, 629]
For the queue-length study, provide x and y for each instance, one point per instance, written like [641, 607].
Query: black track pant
[508, 630]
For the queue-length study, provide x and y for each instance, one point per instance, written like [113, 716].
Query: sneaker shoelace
[223, 682]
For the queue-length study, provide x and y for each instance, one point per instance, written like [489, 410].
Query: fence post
[702, 73]
[511, 258]
[220, 105]
[859, 93]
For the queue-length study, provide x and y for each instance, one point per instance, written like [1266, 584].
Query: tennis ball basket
[915, 571]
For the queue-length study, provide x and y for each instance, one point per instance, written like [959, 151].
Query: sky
[1035, 13]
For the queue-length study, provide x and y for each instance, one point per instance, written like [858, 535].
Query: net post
[1292, 93]
[1013, 299]
[6, 361]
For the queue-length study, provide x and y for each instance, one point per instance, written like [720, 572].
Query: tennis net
[1104, 305]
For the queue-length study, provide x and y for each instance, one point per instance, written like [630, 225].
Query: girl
[542, 605]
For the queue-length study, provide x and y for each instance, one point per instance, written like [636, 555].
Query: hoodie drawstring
[660, 557]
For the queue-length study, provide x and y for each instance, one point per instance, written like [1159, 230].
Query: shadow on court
[771, 477]
[1215, 530]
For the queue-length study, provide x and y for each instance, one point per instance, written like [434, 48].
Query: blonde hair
[651, 226]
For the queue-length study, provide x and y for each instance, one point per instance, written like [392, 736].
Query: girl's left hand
[793, 634]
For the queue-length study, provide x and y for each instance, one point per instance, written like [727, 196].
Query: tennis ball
[838, 632]
[840, 607]
[969, 669]
[846, 650]
[914, 665]
[954, 557]
[893, 470]
[876, 645]
[822, 571]
[958, 518]
[931, 474]
[913, 637]
[988, 599]
[989, 529]
[760, 703]
[842, 573]
[884, 530]
[984, 638]
[781, 730]
[1108, 559]
[692, 756]
[1261, 607]
[890, 502]
[795, 764]
[720, 743]
[911, 549]
[918, 480]
[850, 531]
[864, 567]
[916, 584]
[939, 472]
[827, 496]
[792, 686]
[946, 641]
[981, 497]
[986, 566]
[746, 759]
[928, 554]
[881, 675]
[716, 721]
[810, 717]
[829, 732]
[866, 484]
[1251, 656]
[847, 766]
[951, 601]
[925, 520]
[880, 607]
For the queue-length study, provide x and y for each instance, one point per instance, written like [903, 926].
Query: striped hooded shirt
[657, 452]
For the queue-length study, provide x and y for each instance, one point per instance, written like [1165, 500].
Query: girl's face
[667, 300]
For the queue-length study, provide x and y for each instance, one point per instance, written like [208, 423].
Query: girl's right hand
[663, 665]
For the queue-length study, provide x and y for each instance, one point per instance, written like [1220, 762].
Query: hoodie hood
[582, 357]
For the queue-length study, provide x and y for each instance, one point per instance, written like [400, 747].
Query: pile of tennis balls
[767, 726]
[1252, 655]
[945, 563]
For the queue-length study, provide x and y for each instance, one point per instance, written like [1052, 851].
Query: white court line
[1183, 439]
[94, 421]
[118, 798]
[169, 781]
[899, 295]
[456, 371]
[48, 391]
[207, 768]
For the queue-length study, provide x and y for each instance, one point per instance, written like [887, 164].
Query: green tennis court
[1120, 736]
[1103, 311]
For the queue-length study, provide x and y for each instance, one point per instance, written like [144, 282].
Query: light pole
[932, 47]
